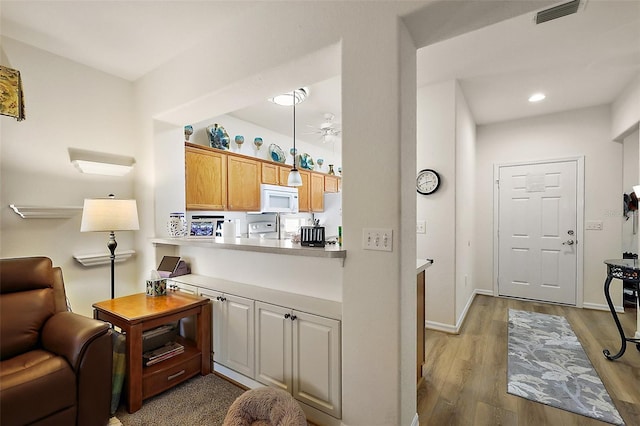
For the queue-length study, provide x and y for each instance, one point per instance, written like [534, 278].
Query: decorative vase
[239, 141]
[257, 142]
[331, 172]
[188, 131]
[293, 151]
[177, 225]
[218, 137]
[340, 170]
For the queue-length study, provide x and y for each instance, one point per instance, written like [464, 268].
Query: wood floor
[466, 374]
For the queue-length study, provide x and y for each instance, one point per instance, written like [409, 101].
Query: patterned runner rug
[547, 364]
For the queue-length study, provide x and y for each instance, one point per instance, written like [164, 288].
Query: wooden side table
[137, 313]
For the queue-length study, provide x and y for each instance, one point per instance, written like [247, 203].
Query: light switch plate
[594, 225]
[377, 239]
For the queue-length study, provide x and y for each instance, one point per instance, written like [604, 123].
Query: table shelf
[139, 312]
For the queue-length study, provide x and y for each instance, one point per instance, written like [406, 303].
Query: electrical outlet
[377, 239]
[421, 227]
[594, 225]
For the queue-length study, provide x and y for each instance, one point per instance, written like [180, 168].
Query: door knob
[568, 243]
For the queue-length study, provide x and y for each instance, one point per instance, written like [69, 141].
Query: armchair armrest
[69, 334]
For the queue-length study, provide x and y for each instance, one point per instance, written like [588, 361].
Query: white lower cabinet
[185, 288]
[233, 331]
[300, 353]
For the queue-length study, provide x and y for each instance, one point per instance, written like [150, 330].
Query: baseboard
[415, 421]
[455, 329]
[446, 328]
[243, 381]
[602, 307]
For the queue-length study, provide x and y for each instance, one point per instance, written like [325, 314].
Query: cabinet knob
[293, 317]
[286, 316]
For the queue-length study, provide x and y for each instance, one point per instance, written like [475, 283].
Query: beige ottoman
[265, 407]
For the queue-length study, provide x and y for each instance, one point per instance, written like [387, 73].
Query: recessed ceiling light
[537, 97]
[287, 99]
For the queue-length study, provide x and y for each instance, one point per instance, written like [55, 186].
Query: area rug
[547, 364]
[202, 400]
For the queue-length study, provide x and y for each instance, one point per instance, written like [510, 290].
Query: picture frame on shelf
[202, 228]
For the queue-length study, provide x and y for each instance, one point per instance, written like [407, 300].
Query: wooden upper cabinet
[331, 183]
[316, 192]
[304, 204]
[270, 173]
[283, 175]
[205, 179]
[243, 181]
[218, 180]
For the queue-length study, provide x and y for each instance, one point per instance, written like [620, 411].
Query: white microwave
[278, 199]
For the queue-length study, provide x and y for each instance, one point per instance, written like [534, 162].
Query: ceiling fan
[328, 129]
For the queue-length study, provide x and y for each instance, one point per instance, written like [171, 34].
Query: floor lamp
[110, 215]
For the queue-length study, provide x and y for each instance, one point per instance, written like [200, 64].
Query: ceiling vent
[559, 11]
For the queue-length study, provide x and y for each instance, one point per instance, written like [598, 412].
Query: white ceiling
[580, 60]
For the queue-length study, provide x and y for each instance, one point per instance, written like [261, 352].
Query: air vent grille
[559, 11]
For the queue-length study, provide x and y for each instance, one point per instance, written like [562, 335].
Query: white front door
[537, 231]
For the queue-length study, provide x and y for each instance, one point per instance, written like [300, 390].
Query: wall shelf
[102, 258]
[45, 212]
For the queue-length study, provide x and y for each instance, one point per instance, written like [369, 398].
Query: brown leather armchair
[55, 366]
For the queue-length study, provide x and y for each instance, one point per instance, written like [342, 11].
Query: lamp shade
[109, 214]
[294, 178]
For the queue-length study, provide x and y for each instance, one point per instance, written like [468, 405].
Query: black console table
[629, 271]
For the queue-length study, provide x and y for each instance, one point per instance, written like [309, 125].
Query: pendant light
[294, 175]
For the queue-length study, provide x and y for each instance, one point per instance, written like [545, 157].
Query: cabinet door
[205, 179]
[217, 319]
[330, 183]
[243, 184]
[273, 346]
[270, 173]
[283, 175]
[304, 192]
[185, 288]
[316, 192]
[238, 336]
[316, 362]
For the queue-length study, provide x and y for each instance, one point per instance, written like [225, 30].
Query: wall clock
[427, 181]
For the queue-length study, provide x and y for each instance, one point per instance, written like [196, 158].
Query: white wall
[67, 105]
[631, 177]
[625, 110]
[446, 143]
[568, 134]
[436, 149]
[465, 203]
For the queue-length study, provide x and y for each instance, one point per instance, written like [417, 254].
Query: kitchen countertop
[255, 244]
[313, 305]
[422, 264]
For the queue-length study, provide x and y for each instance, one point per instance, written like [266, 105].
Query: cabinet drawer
[162, 377]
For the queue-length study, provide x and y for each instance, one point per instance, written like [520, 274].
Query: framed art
[11, 97]
[202, 228]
